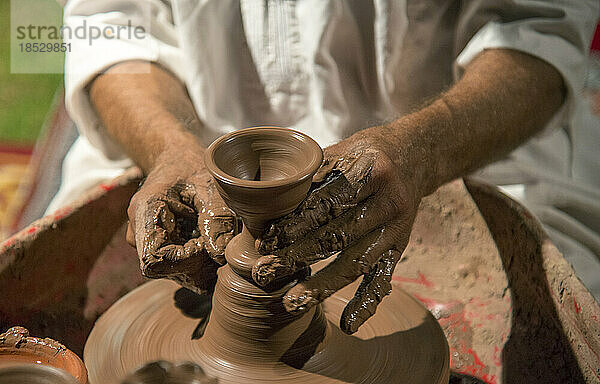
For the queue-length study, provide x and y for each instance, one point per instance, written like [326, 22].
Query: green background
[25, 99]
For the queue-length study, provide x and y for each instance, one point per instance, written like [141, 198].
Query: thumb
[130, 235]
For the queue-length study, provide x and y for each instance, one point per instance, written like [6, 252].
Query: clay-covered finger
[340, 192]
[218, 227]
[160, 237]
[216, 222]
[180, 209]
[349, 265]
[188, 264]
[374, 287]
[198, 274]
[149, 232]
[336, 236]
[346, 268]
[173, 258]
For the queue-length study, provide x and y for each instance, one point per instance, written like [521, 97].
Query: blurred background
[26, 106]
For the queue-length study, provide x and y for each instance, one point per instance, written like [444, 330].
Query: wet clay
[402, 343]
[17, 348]
[262, 174]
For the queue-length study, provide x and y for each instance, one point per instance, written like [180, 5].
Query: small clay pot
[20, 353]
[263, 173]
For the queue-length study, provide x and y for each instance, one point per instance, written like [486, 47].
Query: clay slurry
[18, 348]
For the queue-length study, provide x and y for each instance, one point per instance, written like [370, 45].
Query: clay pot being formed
[264, 173]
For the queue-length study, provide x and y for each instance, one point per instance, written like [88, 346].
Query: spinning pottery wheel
[262, 174]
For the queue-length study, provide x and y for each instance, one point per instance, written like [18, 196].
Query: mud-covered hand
[179, 223]
[363, 205]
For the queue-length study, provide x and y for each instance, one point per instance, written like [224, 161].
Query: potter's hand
[364, 206]
[179, 223]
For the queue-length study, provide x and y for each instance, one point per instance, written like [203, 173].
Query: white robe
[331, 67]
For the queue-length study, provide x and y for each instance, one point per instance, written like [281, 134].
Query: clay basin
[25, 359]
[35, 374]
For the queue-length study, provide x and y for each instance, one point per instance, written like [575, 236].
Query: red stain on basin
[107, 187]
[421, 280]
[577, 306]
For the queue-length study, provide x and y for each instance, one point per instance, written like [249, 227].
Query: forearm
[147, 114]
[503, 99]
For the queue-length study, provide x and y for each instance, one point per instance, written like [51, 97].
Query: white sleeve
[130, 30]
[556, 31]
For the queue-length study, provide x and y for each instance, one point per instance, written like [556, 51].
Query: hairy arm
[370, 185]
[503, 99]
[177, 221]
[149, 114]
